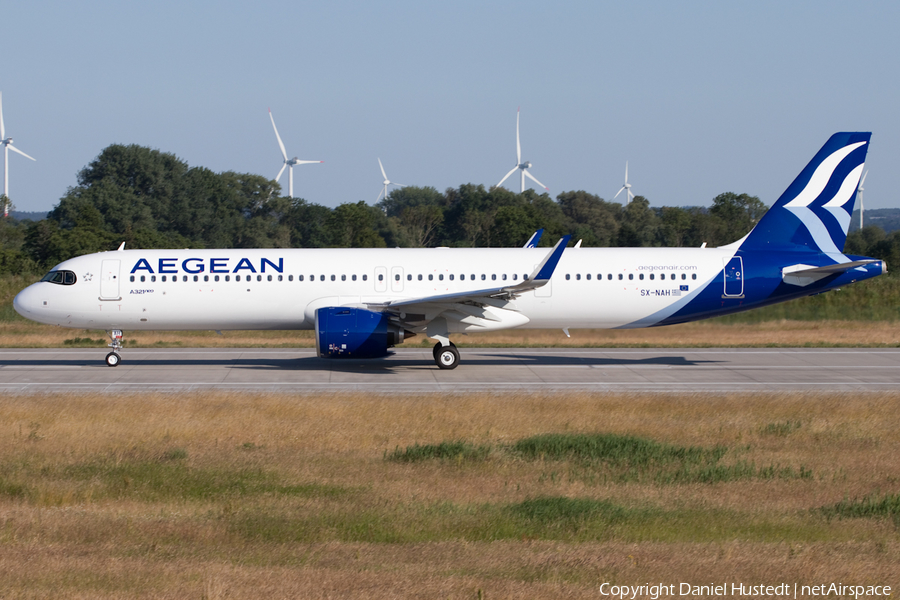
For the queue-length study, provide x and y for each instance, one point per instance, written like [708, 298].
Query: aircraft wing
[473, 303]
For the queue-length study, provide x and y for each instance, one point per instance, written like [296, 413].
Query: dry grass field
[19, 333]
[225, 495]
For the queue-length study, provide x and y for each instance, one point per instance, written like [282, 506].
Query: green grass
[161, 478]
[603, 457]
[541, 518]
[780, 429]
[873, 506]
[458, 451]
[612, 449]
[85, 342]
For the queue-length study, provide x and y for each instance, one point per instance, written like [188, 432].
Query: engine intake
[355, 333]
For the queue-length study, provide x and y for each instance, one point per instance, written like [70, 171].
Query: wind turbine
[626, 187]
[7, 146]
[859, 192]
[386, 182]
[521, 166]
[288, 162]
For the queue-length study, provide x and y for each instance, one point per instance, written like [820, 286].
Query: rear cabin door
[109, 280]
[734, 277]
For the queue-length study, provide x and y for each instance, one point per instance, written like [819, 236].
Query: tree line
[152, 199]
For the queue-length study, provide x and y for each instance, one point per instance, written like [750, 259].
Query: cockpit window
[60, 277]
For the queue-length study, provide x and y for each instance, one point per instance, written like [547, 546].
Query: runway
[412, 370]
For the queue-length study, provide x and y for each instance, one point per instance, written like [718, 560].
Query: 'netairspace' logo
[782, 590]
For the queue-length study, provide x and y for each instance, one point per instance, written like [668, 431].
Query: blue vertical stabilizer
[813, 214]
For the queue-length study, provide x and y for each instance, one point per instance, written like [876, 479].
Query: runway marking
[411, 370]
[443, 383]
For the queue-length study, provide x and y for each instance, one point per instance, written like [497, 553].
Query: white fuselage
[282, 288]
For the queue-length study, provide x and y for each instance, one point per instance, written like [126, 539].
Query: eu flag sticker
[684, 288]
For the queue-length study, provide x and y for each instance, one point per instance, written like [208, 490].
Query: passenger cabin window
[60, 277]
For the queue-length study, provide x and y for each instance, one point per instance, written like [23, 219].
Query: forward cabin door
[109, 280]
[734, 277]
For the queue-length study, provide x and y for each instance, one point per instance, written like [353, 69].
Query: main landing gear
[113, 359]
[446, 357]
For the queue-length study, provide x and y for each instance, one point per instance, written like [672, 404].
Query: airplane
[362, 302]
[535, 239]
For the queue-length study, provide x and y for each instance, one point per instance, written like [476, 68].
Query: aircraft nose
[25, 302]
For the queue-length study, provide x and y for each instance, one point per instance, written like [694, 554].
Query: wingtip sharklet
[546, 268]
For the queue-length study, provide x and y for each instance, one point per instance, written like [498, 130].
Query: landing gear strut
[113, 359]
[446, 357]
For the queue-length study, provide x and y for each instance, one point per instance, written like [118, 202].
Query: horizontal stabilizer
[804, 275]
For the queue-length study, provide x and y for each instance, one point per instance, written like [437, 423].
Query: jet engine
[355, 333]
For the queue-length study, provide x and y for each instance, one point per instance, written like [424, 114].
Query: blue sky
[699, 97]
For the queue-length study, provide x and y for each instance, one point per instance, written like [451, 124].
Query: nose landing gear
[113, 359]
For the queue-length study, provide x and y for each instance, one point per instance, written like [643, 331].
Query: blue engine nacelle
[355, 333]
